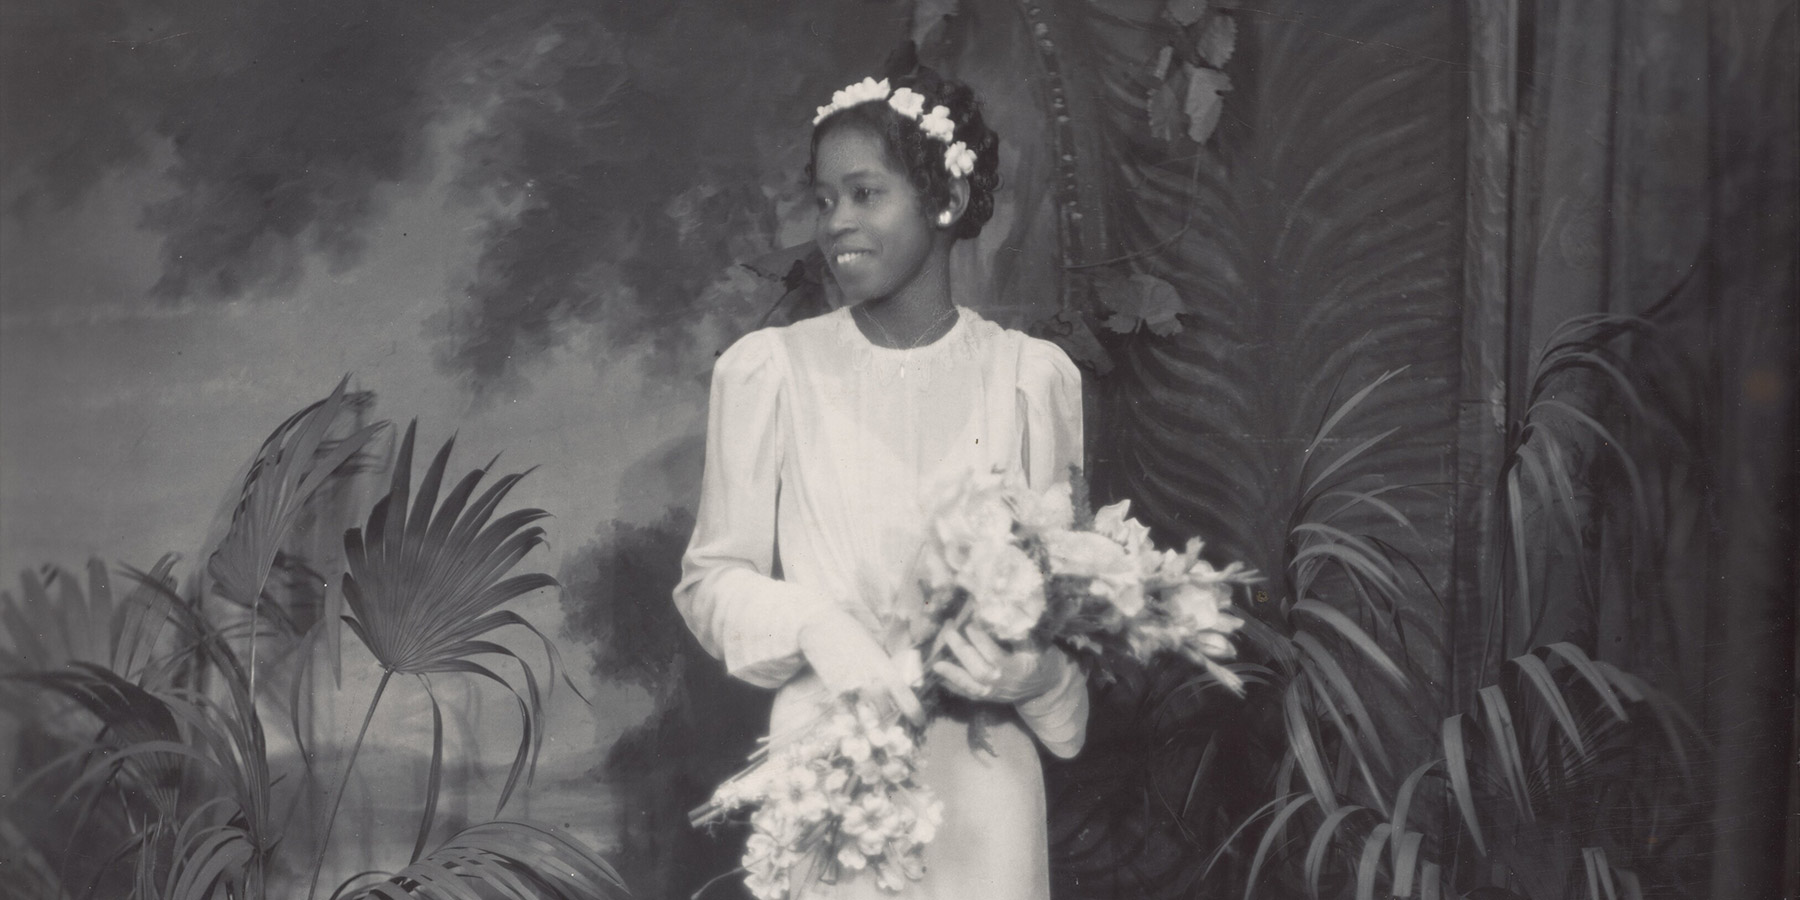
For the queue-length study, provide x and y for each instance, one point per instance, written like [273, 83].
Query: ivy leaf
[779, 265]
[1185, 12]
[1141, 301]
[1204, 103]
[1165, 110]
[1218, 40]
[1067, 330]
[928, 19]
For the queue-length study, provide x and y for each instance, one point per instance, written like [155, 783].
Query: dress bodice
[824, 456]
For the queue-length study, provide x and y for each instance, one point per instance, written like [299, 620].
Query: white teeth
[850, 255]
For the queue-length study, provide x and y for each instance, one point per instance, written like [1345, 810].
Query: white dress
[830, 446]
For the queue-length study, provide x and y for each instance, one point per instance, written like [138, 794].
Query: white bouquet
[838, 795]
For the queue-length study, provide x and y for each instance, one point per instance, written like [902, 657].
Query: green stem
[255, 612]
[338, 797]
[715, 880]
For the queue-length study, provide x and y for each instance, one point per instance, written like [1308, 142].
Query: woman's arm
[749, 620]
[764, 629]
[1050, 416]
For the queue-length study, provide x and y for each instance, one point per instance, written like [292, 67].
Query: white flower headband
[959, 160]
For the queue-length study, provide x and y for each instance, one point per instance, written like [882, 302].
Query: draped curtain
[1640, 158]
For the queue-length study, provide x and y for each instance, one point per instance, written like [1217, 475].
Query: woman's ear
[959, 201]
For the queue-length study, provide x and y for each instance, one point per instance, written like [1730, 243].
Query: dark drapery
[1620, 151]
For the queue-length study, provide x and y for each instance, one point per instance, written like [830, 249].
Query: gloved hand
[847, 658]
[986, 671]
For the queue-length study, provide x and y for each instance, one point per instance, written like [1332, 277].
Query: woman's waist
[998, 734]
[886, 600]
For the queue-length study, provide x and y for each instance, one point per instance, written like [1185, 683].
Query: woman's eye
[863, 194]
[822, 203]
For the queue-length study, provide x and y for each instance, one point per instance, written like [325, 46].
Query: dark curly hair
[922, 157]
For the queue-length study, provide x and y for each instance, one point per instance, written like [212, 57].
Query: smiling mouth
[850, 256]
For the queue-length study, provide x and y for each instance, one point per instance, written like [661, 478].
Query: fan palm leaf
[44, 634]
[130, 718]
[296, 459]
[292, 463]
[423, 590]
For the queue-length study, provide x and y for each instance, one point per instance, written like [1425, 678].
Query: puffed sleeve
[740, 614]
[1049, 413]
[1050, 421]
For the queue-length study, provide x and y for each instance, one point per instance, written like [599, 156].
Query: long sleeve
[1050, 419]
[1049, 414]
[740, 614]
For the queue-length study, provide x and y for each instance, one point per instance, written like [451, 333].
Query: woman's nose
[838, 221]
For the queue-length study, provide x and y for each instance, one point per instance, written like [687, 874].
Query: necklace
[929, 331]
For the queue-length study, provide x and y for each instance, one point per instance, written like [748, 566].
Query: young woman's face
[871, 227]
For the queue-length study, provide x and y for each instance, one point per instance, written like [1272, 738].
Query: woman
[826, 441]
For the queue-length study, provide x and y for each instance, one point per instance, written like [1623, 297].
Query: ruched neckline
[854, 333]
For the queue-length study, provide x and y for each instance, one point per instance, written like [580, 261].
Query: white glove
[847, 658]
[986, 671]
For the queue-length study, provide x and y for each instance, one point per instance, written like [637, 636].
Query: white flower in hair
[908, 102]
[937, 124]
[959, 160]
[863, 91]
[866, 90]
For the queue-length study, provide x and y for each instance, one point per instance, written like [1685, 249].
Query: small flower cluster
[1013, 561]
[1178, 603]
[838, 798]
[959, 160]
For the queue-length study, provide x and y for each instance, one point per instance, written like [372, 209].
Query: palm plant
[113, 657]
[188, 776]
[181, 762]
[1554, 762]
[1347, 675]
[1558, 780]
[424, 590]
